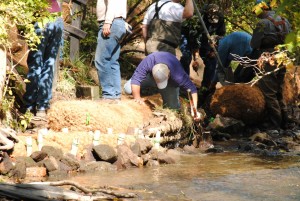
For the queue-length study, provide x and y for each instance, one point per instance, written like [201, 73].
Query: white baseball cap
[161, 74]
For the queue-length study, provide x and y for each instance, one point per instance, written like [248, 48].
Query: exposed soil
[73, 118]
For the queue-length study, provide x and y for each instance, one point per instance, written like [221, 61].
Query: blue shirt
[178, 76]
[235, 43]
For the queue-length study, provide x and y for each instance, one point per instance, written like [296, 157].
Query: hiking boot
[41, 115]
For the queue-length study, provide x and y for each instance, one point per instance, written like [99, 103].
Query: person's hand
[106, 29]
[211, 54]
[139, 101]
[197, 64]
[196, 117]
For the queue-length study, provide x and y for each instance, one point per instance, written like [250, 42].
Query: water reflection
[227, 176]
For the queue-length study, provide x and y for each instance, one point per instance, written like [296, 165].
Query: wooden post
[74, 42]
[56, 70]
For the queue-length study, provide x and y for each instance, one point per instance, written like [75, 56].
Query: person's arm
[109, 16]
[197, 60]
[195, 99]
[197, 116]
[136, 92]
[144, 32]
[188, 9]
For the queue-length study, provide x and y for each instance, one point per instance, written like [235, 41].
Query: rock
[136, 149]
[141, 146]
[145, 158]
[152, 163]
[88, 154]
[64, 167]
[6, 164]
[164, 158]
[69, 160]
[105, 152]
[97, 166]
[20, 170]
[126, 158]
[53, 151]
[263, 138]
[190, 149]
[219, 136]
[38, 156]
[51, 164]
[36, 172]
[29, 162]
[215, 150]
[227, 125]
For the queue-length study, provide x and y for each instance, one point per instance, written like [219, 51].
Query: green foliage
[90, 26]
[10, 117]
[23, 13]
[290, 9]
[67, 83]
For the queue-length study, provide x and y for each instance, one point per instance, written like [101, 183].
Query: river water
[209, 177]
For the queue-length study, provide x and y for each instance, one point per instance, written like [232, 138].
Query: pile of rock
[52, 162]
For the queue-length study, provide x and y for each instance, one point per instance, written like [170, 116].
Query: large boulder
[241, 102]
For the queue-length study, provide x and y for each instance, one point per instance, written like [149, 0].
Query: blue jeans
[106, 59]
[41, 64]
[170, 94]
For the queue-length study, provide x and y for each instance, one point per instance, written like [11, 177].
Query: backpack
[280, 28]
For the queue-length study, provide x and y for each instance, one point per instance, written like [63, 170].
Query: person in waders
[270, 31]
[162, 25]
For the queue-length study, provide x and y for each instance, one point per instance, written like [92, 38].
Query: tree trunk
[2, 71]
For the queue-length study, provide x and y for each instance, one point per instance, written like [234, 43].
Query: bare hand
[106, 30]
[196, 117]
[197, 64]
[139, 101]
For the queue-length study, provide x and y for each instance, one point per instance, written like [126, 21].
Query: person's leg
[209, 72]
[170, 96]
[52, 39]
[269, 86]
[106, 60]
[35, 62]
[149, 82]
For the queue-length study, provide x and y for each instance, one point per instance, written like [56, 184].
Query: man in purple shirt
[163, 70]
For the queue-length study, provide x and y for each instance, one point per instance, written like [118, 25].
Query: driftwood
[49, 191]
[6, 134]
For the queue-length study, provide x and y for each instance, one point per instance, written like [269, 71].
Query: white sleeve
[149, 14]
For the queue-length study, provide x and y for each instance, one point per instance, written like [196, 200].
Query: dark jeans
[209, 71]
[41, 66]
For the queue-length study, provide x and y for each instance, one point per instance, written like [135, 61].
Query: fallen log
[49, 191]
[5, 134]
